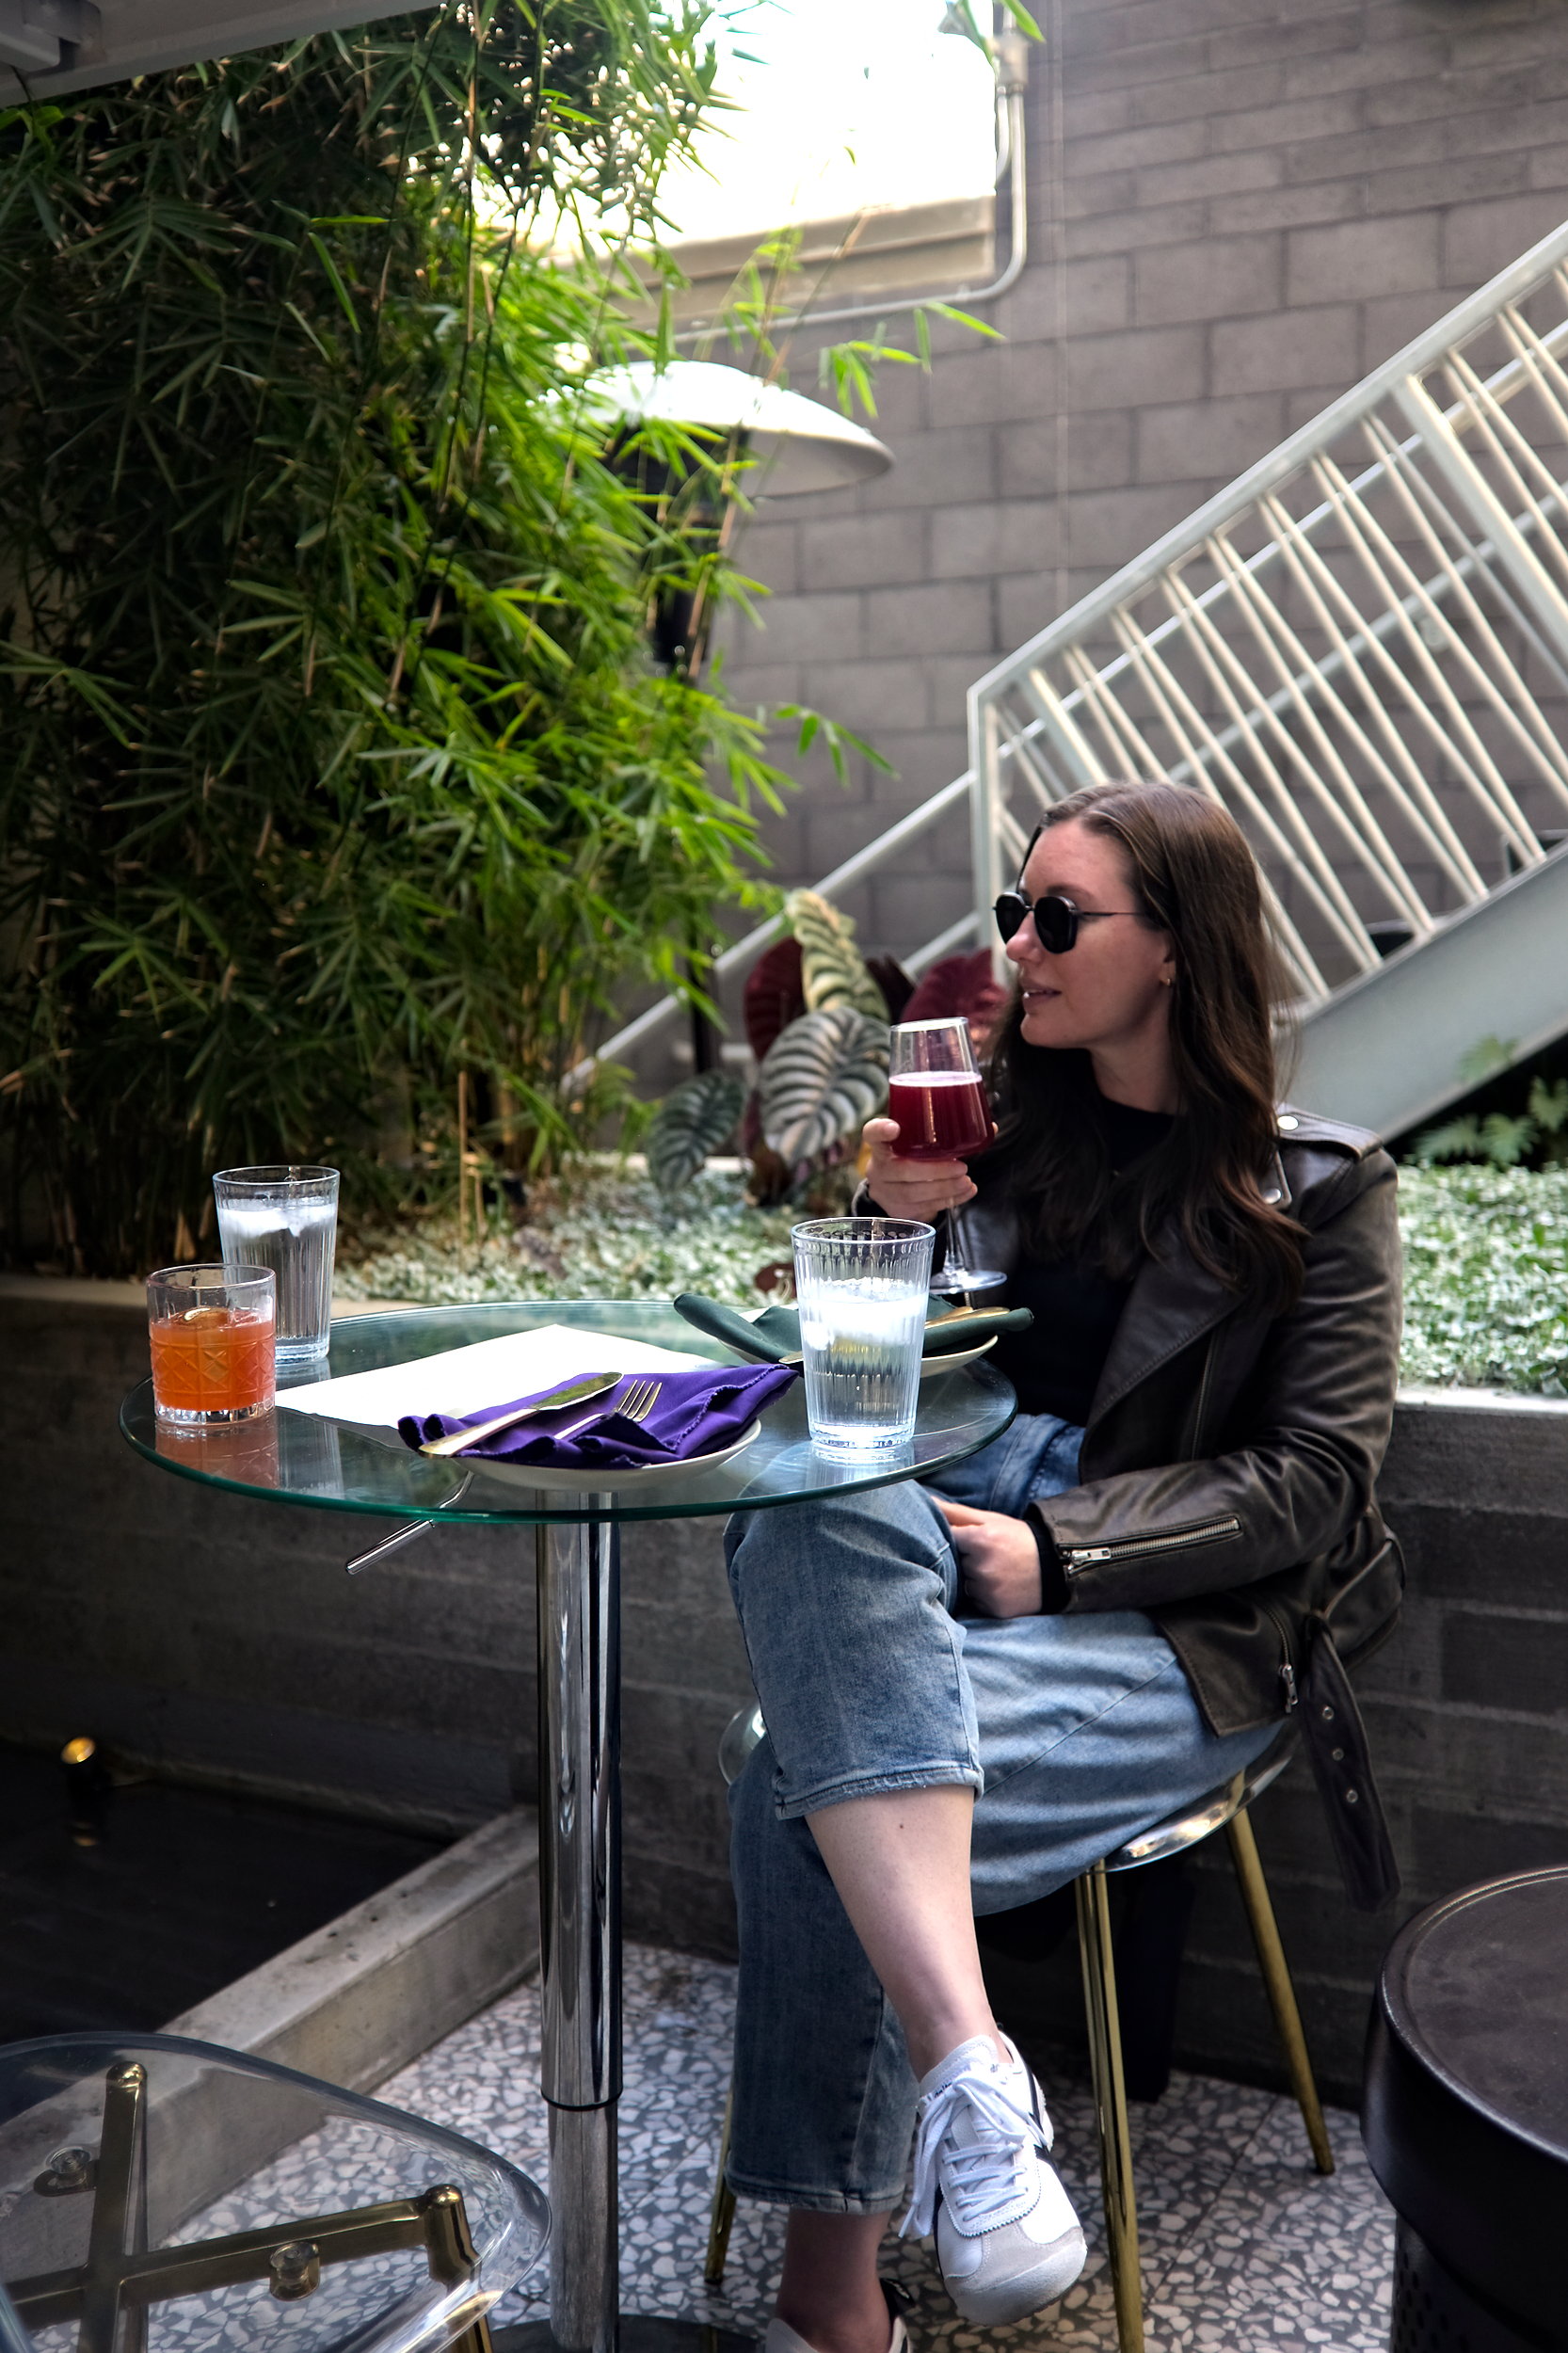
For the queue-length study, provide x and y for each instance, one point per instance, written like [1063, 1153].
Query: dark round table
[1466, 2117]
[292, 1457]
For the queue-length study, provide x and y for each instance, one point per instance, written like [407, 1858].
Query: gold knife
[591, 1385]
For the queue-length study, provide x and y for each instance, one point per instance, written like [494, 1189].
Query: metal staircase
[1360, 647]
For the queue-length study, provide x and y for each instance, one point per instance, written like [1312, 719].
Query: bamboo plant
[332, 762]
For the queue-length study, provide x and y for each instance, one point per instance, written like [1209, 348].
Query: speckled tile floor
[1244, 2247]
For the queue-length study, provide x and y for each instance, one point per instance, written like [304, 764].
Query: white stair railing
[1360, 647]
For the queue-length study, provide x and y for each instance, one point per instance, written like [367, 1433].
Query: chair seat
[1178, 1831]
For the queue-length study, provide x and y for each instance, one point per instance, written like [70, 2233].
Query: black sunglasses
[1056, 919]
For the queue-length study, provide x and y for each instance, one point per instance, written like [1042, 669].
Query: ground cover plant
[1487, 1277]
[1485, 1251]
[602, 1229]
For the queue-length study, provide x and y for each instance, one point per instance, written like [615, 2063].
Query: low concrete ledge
[371, 1991]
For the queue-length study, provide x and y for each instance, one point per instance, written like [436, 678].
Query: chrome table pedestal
[579, 1606]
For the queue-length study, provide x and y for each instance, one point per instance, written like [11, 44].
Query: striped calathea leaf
[832, 969]
[694, 1119]
[822, 1078]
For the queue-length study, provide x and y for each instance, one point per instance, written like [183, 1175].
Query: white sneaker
[1007, 2238]
[781, 2338]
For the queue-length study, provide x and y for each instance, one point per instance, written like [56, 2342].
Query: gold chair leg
[1276, 1980]
[1105, 2061]
[723, 2211]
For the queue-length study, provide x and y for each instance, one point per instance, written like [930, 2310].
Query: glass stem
[953, 1269]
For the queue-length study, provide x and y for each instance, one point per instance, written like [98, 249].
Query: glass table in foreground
[292, 1457]
[159, 2195]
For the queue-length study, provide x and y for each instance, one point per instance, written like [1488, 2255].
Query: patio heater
[778, 443]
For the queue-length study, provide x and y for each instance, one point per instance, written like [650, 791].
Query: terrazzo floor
[1244, 2247]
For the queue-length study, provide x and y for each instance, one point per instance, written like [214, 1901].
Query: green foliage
[601, 1231]
[1486, 1059]
[1501, 1139]
[333, 763]
[697, 1117]
[820, 1080]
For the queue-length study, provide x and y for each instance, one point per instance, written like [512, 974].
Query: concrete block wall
[219, 1639]
[1253, 205]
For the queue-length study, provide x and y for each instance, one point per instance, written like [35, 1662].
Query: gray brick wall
[220, 1638]
[1260, 205]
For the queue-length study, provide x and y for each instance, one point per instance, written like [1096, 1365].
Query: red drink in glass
[212, 1360]
[941, 1114]
[210, 1329]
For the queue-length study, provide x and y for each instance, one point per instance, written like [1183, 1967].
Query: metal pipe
[1277, 1979]
[1096, 1954]
[585, 2228]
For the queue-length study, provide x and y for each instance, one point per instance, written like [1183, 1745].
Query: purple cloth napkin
[694, 1414]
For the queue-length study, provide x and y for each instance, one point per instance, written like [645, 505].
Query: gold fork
[636, 1405]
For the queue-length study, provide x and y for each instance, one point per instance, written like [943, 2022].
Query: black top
[1056, 1366]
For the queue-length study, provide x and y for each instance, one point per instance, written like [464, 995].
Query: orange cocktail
[211, 1330]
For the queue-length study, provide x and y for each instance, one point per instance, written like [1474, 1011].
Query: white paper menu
[488, 1373]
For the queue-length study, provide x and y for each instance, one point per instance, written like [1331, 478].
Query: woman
[971, 1696]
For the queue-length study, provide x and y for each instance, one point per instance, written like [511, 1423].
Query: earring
[1167, 979]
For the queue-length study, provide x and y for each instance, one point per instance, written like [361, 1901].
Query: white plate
[947, 1359]
[549, 1478]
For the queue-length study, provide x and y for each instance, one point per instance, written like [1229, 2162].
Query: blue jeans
[1075, 1733]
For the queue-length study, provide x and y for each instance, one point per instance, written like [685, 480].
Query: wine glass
[934, 1092]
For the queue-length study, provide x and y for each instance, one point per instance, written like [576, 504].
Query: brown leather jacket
[1230, 1465]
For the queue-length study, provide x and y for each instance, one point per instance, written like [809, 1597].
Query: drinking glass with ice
[862, 1284]
[286, 1217]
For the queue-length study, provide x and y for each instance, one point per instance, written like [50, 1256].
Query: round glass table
[295, 1457]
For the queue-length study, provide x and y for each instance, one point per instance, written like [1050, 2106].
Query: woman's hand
[998, 1559]
[918, 1189]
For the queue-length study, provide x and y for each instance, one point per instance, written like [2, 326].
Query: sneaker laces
[984, 2171]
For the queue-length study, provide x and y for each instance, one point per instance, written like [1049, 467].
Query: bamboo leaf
[332, 761]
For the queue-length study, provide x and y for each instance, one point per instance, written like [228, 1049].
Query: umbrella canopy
[799, 445]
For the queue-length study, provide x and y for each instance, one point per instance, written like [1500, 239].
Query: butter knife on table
[572, 1393]
[774, 1337]
[591, 1385]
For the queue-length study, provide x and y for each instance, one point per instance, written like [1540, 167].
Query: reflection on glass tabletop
[345, 1466]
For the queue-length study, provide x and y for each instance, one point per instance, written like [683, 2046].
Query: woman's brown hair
[1195, 879]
